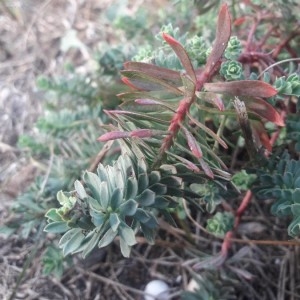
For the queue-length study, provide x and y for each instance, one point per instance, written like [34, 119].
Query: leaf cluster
[280, 181]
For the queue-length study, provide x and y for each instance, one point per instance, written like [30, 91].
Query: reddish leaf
[189, 87]
[154, 102]
[145, 133]
[207, 170]
[263, 109]
[193, 145]
[253, 88]
[222, 37]
[113, 135]
[144, 81]
[182, 55]
[155, 95]
[187, 163]
[171, 76]
[262, 134]
[239, 21]
[130, 84]
[212, 98]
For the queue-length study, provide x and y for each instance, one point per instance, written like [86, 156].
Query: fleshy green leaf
[57, 227]
[146, 198]
[73, 243]
[127, 234]
[107, 238]
[125, 249]
[98, 218]
[53, 215]
[94, 184]
[128, 208]
[116, 199]
[114, 221]
[80, 190]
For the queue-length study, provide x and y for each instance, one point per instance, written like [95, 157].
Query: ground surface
[30, 45]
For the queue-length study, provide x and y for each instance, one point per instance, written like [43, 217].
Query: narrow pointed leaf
[158, 95]
[189, 87]
[182, 55]
[241, 110]
[148, 83]
[170, 76]
[144, 133]
[222, 37]
[126, 81]
[138, 116]
[262, 134]
[208, 131]
[253, 88]
[113, 135]
[212, 98]
[188, 164]
[264, 109]
[207, 170]
[155, 102]
[193, 145]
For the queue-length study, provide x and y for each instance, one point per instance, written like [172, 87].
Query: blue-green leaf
[114, 221]
[125, 248]
[53, 215]
[57, 227]
[74, 243]
[98, 218]
[107, 238]
[146, 198]
[128, 208]
[116, 199]
[94, 184]
[80, 189]
[127, 234]
[131, 188]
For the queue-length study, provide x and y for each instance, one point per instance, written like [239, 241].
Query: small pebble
[157, 290]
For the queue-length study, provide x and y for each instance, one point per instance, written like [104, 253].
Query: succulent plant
[220, 223]
[232, 70]
[117, 201]
[234, 48]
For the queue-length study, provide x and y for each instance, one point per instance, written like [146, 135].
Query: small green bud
[232, 70]
[197, 49]
[234, 48]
